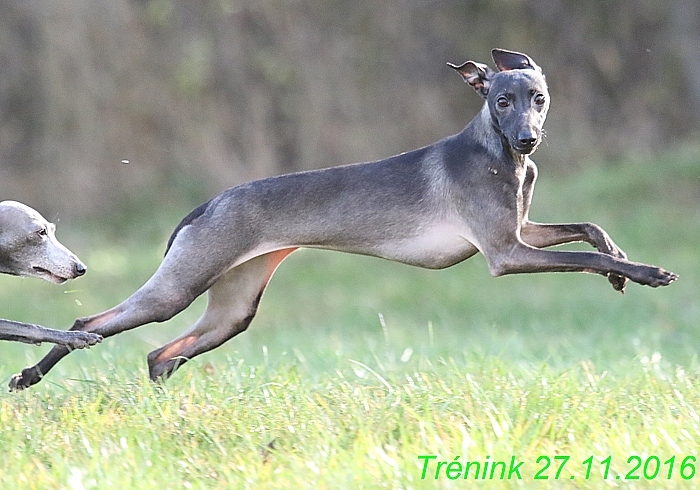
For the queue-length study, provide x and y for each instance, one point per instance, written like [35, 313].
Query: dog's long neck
[487, 133]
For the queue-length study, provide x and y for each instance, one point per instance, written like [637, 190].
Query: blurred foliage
[202, 95]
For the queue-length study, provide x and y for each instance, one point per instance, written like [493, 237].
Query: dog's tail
[188, 220]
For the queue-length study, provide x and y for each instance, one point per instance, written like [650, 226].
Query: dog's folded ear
[512, 60]
[475, 74]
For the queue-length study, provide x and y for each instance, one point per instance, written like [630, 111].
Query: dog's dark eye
[503, 102]
[43, 232]
[539, 99]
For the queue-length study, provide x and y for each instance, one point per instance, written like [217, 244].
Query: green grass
[355, 366]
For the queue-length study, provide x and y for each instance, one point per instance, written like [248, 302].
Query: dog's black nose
[80, 269]
[527, 138]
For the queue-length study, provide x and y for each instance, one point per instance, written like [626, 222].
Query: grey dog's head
[28, 246]
[516, 95]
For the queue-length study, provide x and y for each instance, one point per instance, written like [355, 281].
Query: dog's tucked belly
[435, 246]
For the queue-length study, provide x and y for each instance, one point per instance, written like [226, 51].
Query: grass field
[357, 371]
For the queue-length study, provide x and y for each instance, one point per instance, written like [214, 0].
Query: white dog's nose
[79, 269]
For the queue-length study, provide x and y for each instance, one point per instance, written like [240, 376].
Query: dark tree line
[200, 95]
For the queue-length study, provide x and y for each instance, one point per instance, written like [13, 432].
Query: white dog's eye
[43, 232]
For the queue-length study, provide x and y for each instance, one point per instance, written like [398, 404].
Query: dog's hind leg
[166, 294]
[233, 302]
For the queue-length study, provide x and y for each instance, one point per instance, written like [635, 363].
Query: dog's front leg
[36, 334]
[502, 242]
[547, 235]
[518, 257]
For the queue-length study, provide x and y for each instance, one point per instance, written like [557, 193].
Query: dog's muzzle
[526, 142]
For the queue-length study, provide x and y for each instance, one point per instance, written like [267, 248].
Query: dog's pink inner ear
[475, 74]
[475, 82]
[510, 60]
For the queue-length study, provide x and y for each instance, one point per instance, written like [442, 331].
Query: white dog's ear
[478, 75]
[512, 60]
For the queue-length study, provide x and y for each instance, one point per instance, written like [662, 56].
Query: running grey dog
[28, 247]
[432, 207]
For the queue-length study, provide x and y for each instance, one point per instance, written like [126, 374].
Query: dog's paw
[660, 277]
[81, 340]
[25, 379]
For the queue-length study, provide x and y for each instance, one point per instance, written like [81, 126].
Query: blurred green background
[199, 96]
